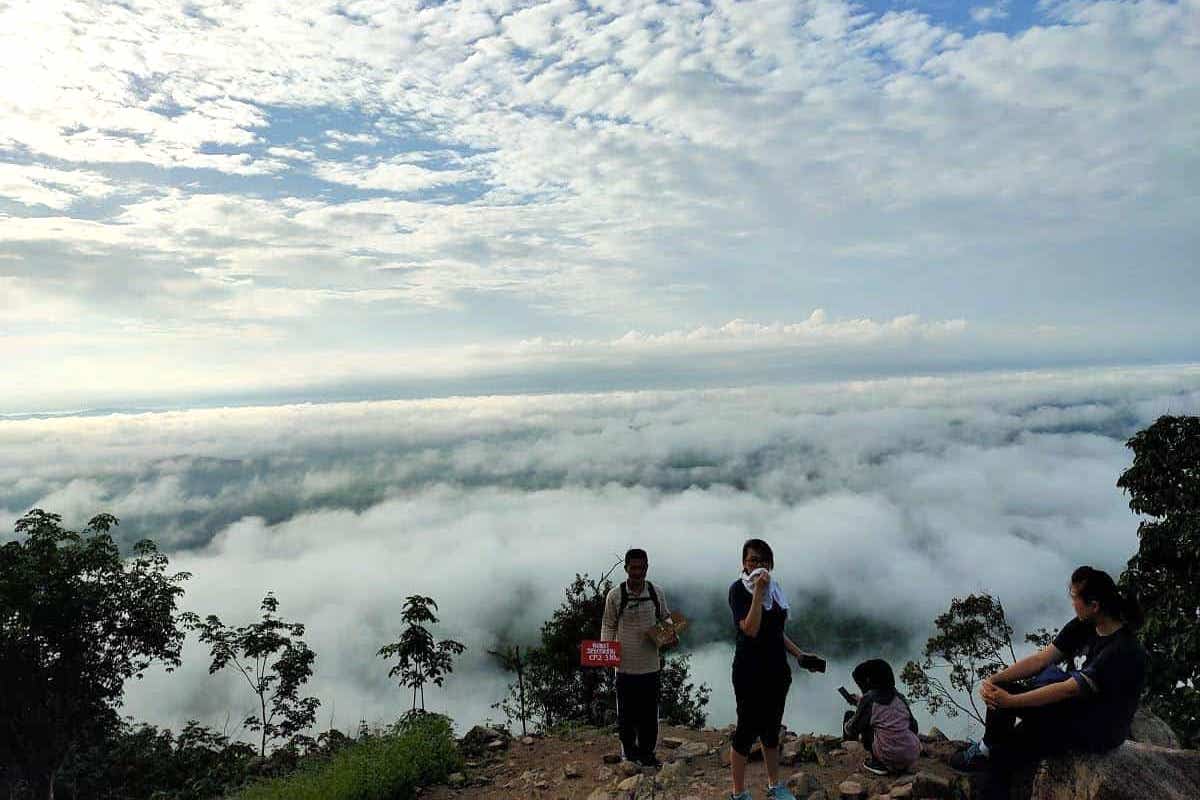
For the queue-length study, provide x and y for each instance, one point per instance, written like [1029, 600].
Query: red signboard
[599, 654]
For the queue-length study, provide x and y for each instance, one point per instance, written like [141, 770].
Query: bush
[417, 751]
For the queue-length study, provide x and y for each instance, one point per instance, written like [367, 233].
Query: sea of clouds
[883, 499]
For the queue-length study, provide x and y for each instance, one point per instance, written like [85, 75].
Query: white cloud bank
[883, 499]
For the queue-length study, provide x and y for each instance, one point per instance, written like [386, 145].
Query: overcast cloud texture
[883, 499]
[320, 199]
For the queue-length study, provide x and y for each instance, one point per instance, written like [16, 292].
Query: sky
[882, 500]
[214, 202]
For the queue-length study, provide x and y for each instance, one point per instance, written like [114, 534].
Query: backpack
[653, 599]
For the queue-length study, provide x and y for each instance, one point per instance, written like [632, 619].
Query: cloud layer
[883, 499]
[215, 190]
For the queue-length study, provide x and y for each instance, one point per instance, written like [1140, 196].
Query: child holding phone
[882, 720]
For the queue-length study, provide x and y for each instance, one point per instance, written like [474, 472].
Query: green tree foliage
[681, 702]
[973, 640]
[76, 621]
[142, 762]
[420, 659]
[1163, 484]
[553, 689]
[276, 664]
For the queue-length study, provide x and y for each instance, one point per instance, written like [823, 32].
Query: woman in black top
[761, 673]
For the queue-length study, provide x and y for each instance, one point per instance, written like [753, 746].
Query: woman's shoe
[970, 759]
[743, 796]
[873, 766]
[779, 792]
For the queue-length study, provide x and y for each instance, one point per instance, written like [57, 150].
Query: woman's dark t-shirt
[1111, 679]
[762, 656]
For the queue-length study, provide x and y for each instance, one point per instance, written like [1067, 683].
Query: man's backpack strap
[653, 599]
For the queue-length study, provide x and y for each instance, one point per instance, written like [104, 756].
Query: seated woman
[882, 720]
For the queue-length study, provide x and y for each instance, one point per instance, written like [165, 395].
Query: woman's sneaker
[779, 792]
[873, 766]
[743, 796]
[969, 759]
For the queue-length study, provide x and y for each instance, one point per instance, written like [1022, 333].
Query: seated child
[882, 720]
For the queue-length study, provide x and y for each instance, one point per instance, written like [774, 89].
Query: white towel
[774, 591]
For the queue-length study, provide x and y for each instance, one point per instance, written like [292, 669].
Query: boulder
[854, 748]
[851, 790]
[802, 784]
[690, 750]
[929, 784]
[612, 758]
[628, 768]
[456, 779]
[604, 774]
[672, 742]
[673, 774]
[483, 738]
[631, 783]
[600, 794]
[571, 771]
[1134, 771]
[1150, 729]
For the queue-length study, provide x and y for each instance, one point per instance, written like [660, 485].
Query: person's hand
[993, 696]
[761, 582]
[855, 697]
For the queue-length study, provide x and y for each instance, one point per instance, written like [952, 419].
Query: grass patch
[416, 751]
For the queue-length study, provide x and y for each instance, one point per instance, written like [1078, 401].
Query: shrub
[417, 751]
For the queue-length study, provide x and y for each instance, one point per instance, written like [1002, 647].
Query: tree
[276, 664]
[552, 687]
[514, 704]
[420, 658]
[973, 640]
[681, 702]
[76, 621]
[1163, 484]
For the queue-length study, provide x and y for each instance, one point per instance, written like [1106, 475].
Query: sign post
[593, 653]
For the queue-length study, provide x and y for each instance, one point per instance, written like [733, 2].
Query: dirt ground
[572, 766]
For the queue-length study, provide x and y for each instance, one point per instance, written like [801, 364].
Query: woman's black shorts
[760, 702]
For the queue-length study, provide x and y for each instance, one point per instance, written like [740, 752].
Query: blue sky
[202, 202]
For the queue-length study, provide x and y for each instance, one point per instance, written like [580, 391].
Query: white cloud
[869, 490]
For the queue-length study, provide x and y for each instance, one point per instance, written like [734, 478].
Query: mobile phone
[846, 695]
[812, 663]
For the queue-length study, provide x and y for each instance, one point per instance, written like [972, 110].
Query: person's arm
[792, 647]
[861, 719]
[608, 625]
[995, 697]
[1028, 666]
[753, 620]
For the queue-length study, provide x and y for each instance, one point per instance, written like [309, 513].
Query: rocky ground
[583, 764]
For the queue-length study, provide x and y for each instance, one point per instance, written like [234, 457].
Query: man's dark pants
[637, 714]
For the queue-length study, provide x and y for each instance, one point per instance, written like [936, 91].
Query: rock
[802, 784]
[482, 738]
[854, 748]
[571, 771]
[1148, 728]
[690, 750]
[604, 774]
[901, 791]
[456, 779]
[612, 758]
[851, 790]
[672, 742]
[837, 751]
[541, 785]
[936, 735]
[1133, 771]
[819, 794]
[631, 783]
[526, 740]
[628, 768]
[928, 784]
[673, 774]
[599, 794]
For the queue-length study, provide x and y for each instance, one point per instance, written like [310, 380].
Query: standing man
[630, 611]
